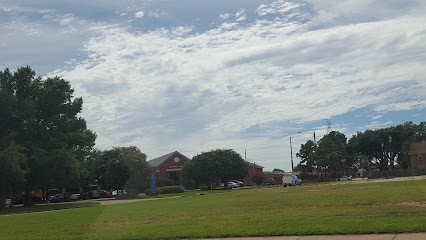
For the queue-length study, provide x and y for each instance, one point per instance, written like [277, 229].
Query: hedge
[167, 189]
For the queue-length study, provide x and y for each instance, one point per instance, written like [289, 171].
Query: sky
[197, 75]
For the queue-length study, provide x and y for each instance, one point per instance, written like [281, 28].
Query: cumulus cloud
[139, 14]
[224, 16]
[281, 7]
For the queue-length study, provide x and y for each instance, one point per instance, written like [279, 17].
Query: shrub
[167, 189]
[165, 182]
[171, 189]
[307, 175]
[189, 184]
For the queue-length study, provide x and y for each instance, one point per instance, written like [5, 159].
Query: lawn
[313, 209]
[47, 207]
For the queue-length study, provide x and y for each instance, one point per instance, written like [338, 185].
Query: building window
[420, 157]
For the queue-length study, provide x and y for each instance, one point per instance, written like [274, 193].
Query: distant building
[417, 155]
[253, 170]
[169, 166]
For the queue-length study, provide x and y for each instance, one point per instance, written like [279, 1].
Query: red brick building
[417, 155]
[169, 166]
[253, 170]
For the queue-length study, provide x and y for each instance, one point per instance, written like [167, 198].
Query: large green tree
[386, 147]
[121, 168]
[216, 165]
[308, 162]
[43, 119]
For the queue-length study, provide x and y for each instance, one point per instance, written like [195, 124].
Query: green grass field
[313, 209]
[47, 207]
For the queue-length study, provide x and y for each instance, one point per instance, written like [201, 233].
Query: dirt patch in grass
[414, 204]
[368, 187]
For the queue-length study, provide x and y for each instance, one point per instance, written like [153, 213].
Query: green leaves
[41, 116]
[210, 167]
[121, 167]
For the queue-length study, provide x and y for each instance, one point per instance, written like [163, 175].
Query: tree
[122, 168]
[383, 148]
[306, 153]
[258, 180]
[277, 170]
[12, 173]
[332, 152]
[214, 166]
[43, 118]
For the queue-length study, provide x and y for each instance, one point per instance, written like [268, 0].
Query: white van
[291, 181]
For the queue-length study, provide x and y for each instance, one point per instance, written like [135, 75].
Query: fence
[397, 173]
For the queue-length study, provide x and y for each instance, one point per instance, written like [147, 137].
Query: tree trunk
[2, 202]
[27, 200]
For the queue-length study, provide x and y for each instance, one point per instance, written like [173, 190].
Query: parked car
[218, 185]
[241, 184]
[105, 194]
[21, 199]
[345, 178]
[74, 196]
[60, 197]
[9, 202]
[94, 194]
[269, 181]
[232, 185]
[18, 200]
[83, 196]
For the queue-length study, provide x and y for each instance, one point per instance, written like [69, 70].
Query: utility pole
[291, 154]
[315, 139]
[245, 154]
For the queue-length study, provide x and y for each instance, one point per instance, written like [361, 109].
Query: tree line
[372, 150]
[44, 144]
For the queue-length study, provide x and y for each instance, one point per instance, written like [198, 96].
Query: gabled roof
[160, 160]
[254, 165]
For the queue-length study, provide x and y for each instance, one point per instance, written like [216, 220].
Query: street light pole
[291, 154]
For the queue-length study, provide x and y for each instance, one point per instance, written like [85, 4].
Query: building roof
[160, 160]
[254, 165]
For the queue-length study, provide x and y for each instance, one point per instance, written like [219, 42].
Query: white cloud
[240, 84]
[156, 13]
[410, 105]
[139, 14]
[208, 88]
[376, 117]
[240, 16]
[281, 7]
[375, 125]
[224, 16]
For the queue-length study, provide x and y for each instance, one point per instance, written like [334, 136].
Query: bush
[189, 184]
[165, 182]
[308, 177]
[168, 189]
[172, 189]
